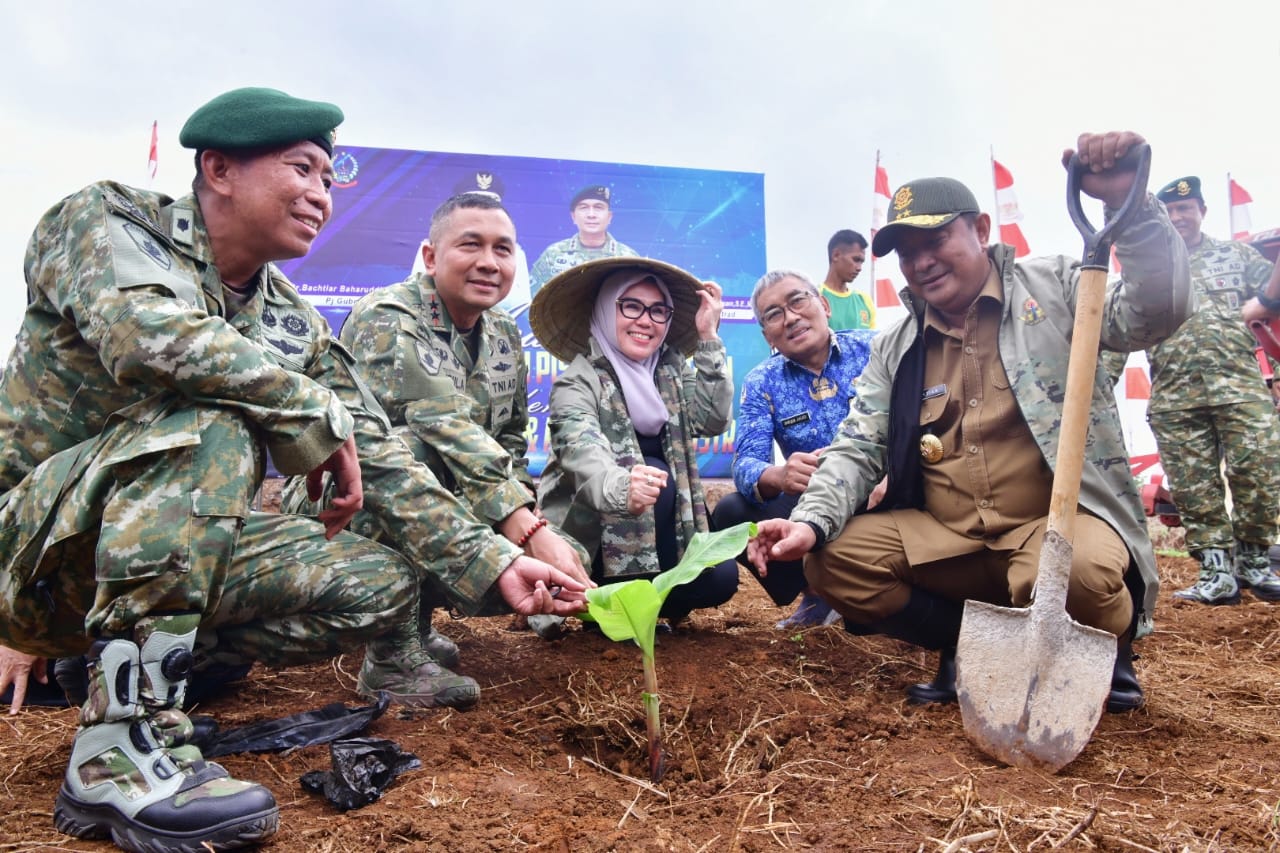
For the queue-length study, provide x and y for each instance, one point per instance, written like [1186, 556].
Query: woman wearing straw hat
[622, 477]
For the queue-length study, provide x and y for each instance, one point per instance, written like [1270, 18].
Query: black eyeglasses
[797, 303]
[659, 312]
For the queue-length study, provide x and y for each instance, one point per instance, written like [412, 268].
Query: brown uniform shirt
[992, 477]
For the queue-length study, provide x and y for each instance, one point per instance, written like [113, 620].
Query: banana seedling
[629, 611]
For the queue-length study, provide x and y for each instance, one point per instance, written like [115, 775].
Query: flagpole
[1231, 208]
[995, 190]
[873, 230]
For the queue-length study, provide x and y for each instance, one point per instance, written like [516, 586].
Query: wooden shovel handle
[1074, 430]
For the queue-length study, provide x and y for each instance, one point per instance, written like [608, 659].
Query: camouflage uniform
[593, 441]
[466, 419]
[1208, 404]
[136, 409]
[1034, 341]
[564, 254]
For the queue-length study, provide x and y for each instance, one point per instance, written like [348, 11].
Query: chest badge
[1032, 313]
[930, 448]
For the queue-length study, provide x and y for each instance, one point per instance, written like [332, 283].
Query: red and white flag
[880, 200]
[1241, 222]
[1007, 213]
[153, 158]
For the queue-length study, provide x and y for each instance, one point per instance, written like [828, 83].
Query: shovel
[1032, 681]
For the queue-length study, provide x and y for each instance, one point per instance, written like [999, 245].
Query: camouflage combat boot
[1216, 583]
[133, 775]
[441, 648]
[412, 677]
[1253, 571]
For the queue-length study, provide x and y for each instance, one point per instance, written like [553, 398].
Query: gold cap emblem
[930, 448]
[1184, 188]
[902, 199]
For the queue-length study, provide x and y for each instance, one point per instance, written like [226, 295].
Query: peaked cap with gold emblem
[926, 203]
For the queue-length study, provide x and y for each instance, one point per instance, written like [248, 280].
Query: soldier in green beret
[161, 357]
[1209, 404]
[591, 209]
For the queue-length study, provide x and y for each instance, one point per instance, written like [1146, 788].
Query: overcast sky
[803, 91]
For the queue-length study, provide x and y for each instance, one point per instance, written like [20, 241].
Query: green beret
[926, 203]
[254, 117]
[1181, 190]
[595, 192]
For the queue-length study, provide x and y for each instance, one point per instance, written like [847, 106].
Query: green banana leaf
[629, 611]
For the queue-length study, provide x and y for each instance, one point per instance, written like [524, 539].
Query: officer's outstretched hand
[348, 495]
[531, 586]
[17, 669]
[779, 539]
[1099, 152]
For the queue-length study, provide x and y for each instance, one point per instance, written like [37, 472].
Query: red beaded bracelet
[528, 534]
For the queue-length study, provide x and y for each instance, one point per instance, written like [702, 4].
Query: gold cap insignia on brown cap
[1184, 188]
[902, 199]
[930, 448]
[484, 180]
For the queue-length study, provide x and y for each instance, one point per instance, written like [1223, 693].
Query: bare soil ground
[774, 741]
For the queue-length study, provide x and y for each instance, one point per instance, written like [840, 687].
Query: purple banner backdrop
[708, 222]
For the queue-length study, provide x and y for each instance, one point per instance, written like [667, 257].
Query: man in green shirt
[850, 309]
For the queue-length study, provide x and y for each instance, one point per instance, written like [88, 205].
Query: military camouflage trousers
[98, 538]
[1193, 442]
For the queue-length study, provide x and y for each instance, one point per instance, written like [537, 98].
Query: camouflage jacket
[570, 252]
[127, 321]
[1144, 307]
[593, 448]
[467, 420]
[1209, 361]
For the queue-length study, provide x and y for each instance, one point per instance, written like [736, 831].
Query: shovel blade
[1031, 685]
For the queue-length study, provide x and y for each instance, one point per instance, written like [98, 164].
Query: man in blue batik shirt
[798, 398]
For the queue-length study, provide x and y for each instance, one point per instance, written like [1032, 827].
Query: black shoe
[940, 691]
[1126, 692]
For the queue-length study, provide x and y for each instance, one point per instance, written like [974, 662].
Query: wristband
[1272, 305]
[818, 532]
[528, 534]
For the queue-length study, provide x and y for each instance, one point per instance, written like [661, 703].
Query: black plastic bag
[362, 769]
[323, 725]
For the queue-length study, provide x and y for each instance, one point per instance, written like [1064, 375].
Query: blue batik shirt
[783, 401]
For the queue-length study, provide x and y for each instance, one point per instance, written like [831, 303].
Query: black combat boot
[1126, 692]
[931, 622]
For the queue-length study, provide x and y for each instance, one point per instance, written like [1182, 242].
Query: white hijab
[644, 404]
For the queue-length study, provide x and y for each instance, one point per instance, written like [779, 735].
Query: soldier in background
[451, 374]
[591, 210]
[161, 355]
[1209, 405]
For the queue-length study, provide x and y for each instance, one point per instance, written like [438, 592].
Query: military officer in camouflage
[960, 405]
[160, 357]
[592, 211]
[1209, 404]
[449, 370]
